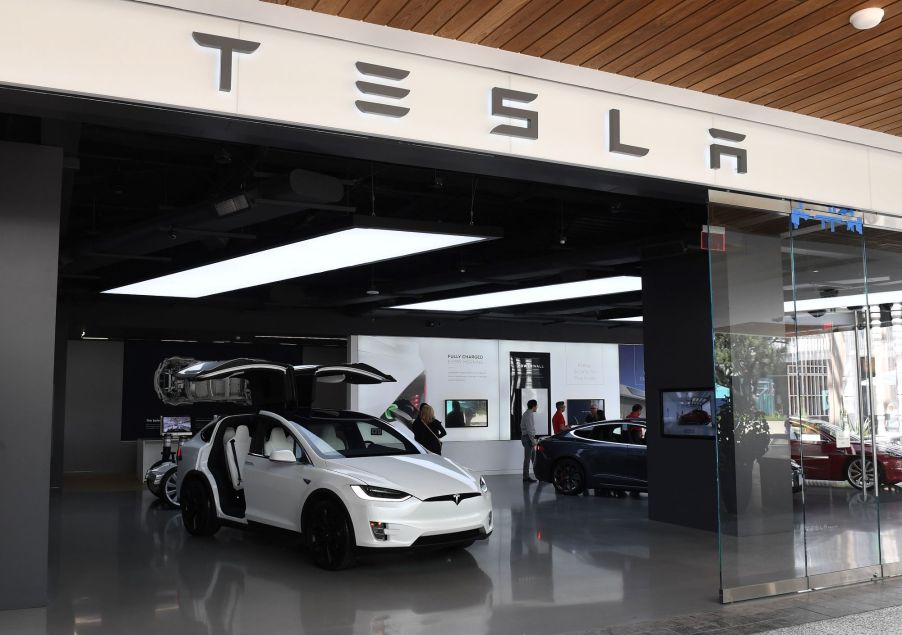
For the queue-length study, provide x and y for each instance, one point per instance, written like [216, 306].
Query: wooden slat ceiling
[797, 55]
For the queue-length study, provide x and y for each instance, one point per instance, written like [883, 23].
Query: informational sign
[843, 439]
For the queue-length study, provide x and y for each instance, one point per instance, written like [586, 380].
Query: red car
[813, 445]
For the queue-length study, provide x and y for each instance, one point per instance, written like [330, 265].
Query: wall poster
[530, 378]
[632, 379]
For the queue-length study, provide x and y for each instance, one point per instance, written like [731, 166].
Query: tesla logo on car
[456, 498]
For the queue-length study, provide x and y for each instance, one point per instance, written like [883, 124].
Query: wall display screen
[579, 411]
[687, 413]
[466, 413]
[176, 425]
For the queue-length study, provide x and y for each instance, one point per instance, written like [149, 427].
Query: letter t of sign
[227, 47]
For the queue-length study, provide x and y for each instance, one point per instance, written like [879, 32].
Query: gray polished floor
[122, 565]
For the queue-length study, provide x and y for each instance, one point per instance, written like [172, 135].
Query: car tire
[198, 508]
[568, 477]
[329, 536]
[153, 489]
[854, 473]
[169, 489]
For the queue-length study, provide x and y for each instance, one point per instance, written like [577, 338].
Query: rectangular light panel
[634, 318]
[549, 293]
[346, 248]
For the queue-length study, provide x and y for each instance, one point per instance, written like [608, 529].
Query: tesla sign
[384, 81]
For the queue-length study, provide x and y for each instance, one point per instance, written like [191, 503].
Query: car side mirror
[282, 456]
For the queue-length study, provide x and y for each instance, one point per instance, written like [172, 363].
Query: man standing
[558, 421]
[595, 413]
[636, 412]
[528, 437]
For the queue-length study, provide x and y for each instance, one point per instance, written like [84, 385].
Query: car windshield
[352, 438]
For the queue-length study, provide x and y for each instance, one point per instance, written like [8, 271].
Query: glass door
[830, 369]
[884, 321]
[796, 377]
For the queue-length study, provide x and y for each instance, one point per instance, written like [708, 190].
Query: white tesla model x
[343, 480]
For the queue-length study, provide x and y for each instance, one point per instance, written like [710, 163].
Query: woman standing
[428, 430]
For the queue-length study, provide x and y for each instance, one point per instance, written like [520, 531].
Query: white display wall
[440, 369]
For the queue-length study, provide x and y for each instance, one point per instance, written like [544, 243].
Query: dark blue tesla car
[608, 455]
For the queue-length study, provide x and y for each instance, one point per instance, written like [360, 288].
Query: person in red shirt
[559, 421]
[636, 412]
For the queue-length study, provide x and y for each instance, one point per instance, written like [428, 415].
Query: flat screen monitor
[687, 413]
[178, 426]
[466, 413]
[579, 411]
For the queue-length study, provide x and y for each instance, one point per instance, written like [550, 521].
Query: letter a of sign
[531, 129]
[227, 46]
[718, 149]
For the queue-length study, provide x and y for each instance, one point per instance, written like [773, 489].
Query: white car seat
[236, 449]
[328, 434]
[277, 441]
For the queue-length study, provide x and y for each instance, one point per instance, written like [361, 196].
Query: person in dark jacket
[428, 430]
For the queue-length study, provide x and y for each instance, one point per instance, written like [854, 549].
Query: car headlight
[372, 493]
[482, 485]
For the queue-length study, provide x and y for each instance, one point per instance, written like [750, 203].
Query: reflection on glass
[808, 370]
[760, 510]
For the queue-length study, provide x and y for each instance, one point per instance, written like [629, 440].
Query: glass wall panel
[761, 515]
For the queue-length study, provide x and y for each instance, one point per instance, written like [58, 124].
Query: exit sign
[714, 238]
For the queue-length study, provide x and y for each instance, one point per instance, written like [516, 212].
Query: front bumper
[415, 523]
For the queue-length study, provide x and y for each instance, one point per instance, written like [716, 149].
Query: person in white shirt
[528, 437]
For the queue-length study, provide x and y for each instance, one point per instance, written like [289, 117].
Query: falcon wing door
[307, 377]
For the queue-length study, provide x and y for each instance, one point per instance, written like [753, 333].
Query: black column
[30, 178]
[676, 302]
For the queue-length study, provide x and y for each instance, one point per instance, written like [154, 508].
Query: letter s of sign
[227, 47]
[531, 129]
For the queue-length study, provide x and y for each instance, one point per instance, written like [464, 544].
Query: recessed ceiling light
[549, 293]
[346, 248]
[867, 18]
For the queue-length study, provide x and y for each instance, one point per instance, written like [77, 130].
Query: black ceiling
[139, 204]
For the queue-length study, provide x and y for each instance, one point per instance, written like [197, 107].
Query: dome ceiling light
[867, 18]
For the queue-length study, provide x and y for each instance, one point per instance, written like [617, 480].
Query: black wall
[30, 178]
[678, 354]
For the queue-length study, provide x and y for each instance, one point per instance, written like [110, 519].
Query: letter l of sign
[614, 144]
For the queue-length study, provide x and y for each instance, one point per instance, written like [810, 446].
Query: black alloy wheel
[329, 536]
[568, 477]
[198, 510]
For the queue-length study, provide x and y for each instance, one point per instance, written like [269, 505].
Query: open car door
[307, 377]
